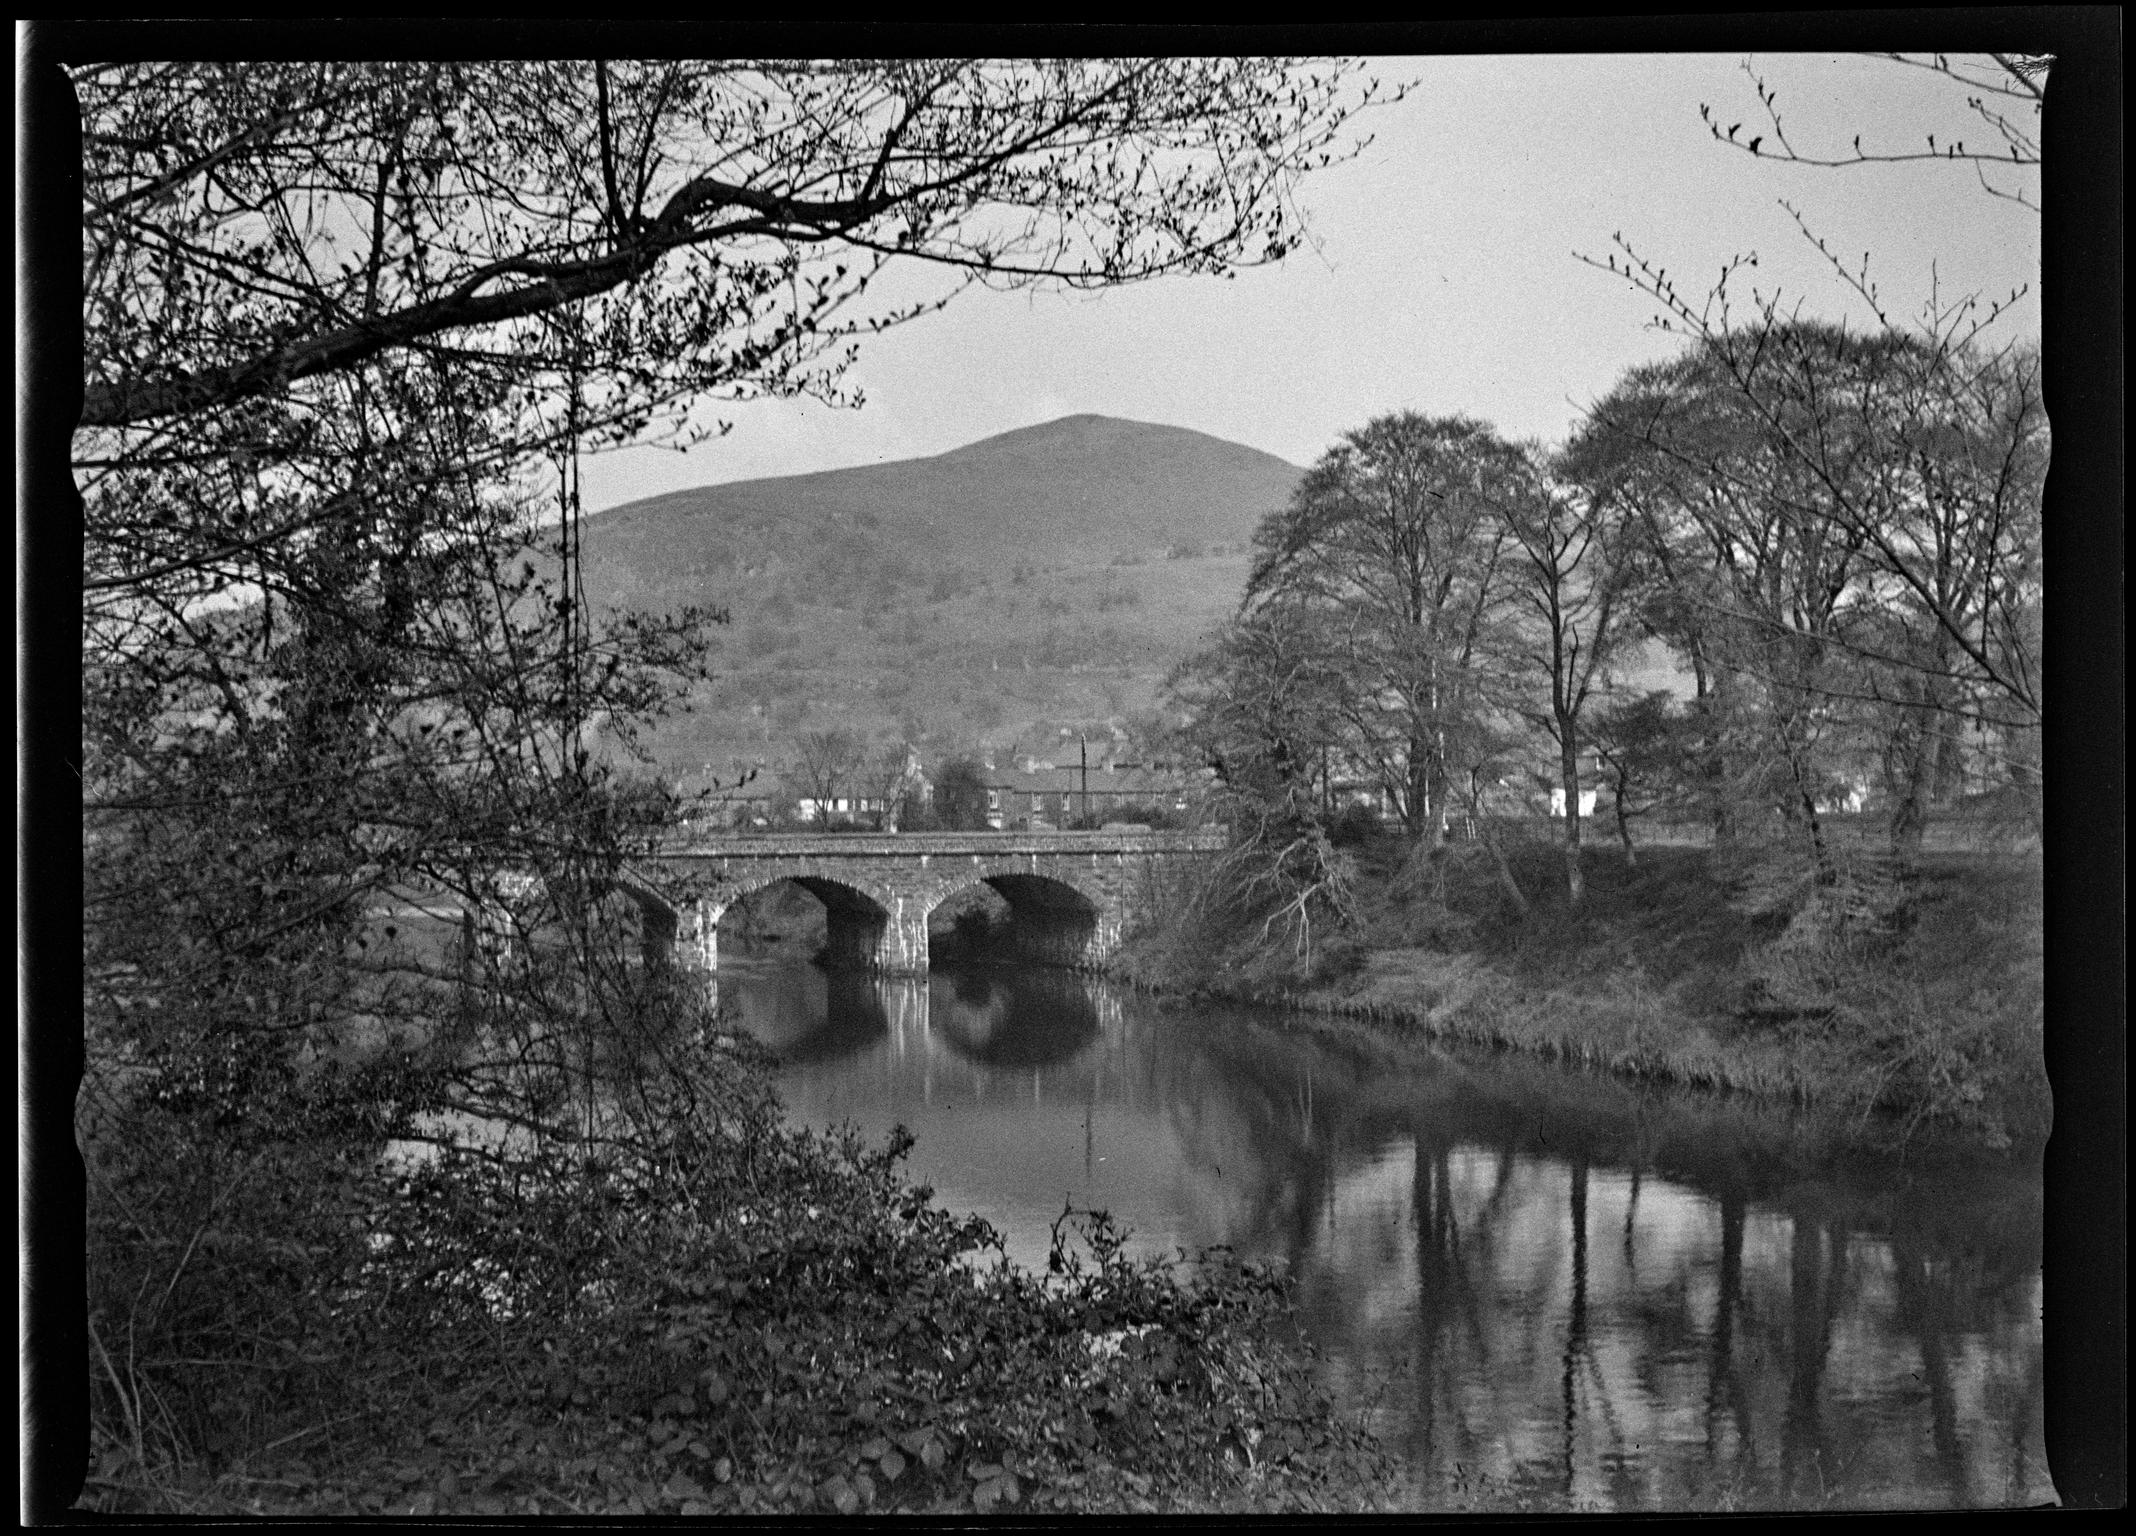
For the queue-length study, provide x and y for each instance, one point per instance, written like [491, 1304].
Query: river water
[1549, 1290]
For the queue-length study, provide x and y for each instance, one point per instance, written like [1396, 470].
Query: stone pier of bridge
[1070, 894]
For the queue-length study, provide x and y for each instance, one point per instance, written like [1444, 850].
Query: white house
[1557, 801]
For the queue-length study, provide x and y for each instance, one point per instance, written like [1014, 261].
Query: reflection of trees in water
[1593, 1294]
[1924, 1307]
[1626, 1327]
[1814, 1292]
[1726, 1397]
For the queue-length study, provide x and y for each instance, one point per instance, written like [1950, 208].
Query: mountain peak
[1053, 573]
[1089, 432]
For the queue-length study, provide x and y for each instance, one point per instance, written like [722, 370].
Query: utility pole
[1084, 743]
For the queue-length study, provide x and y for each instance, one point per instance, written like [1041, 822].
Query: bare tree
[1263, 713]
[1922, 455]
[1574, 579]
[2004, 92]
[883, 777]
[1395, 539]
[826, 767]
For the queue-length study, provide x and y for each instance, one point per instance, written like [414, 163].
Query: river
[1548, 1290]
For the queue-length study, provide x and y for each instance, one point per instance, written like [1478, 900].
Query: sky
[1444, 273]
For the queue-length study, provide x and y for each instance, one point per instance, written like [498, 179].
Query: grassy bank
[1668, 970]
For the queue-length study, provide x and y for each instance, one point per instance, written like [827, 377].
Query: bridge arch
[1054, 919]
[861, 918]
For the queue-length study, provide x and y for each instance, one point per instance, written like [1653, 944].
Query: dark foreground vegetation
[346, 330]
[714, 1315]
[1686, 965]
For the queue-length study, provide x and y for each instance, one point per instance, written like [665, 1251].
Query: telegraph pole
[1084, 743]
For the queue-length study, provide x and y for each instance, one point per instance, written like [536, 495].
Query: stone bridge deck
[1070, 893]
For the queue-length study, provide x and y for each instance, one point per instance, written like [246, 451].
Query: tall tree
[1776, 581]
[1264, 711]
[1394, 538]
[1870, 507]
[1575, 581]
[960, 802]
[828, 768]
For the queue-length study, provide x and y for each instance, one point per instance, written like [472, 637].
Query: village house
[1038, 795]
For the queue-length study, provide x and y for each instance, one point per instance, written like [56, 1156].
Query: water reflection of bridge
[1006, 1019]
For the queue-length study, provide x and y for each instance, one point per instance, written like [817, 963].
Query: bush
[1357, 826]
[691, 1309]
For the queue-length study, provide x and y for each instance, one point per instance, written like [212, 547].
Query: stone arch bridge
[1070, 893]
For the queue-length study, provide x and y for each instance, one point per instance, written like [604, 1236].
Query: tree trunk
[1912, 763]
[1907, 783]
[1820, 855]
[1506, 882]
[1569, 771]
[1624, 826]
[1420, 797]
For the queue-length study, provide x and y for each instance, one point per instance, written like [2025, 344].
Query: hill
[1039, 581]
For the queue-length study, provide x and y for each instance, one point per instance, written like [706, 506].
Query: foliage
[1849, 528]
[1395, 544]
[718, 1315]
[359, 834]
[1260, 717]
[1648, 754]
[962, 795]
[707, 222]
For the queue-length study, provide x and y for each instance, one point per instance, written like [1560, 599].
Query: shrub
[687, 1306]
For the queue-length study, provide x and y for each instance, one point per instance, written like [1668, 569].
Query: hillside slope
[1041, 580]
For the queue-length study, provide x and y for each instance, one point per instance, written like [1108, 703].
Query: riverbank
[1662, 974]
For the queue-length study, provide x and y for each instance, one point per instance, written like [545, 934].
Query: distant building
[737, 809]
[1042, 795]
[1557, 802]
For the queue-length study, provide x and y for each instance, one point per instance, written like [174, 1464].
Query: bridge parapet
[894, 845]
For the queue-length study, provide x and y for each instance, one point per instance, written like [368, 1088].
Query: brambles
[758, 1322]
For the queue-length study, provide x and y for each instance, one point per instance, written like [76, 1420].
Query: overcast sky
[1447, 275]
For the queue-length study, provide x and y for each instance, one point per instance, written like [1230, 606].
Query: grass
[1664, 973]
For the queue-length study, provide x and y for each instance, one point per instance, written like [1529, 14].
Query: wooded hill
[1045, 578]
